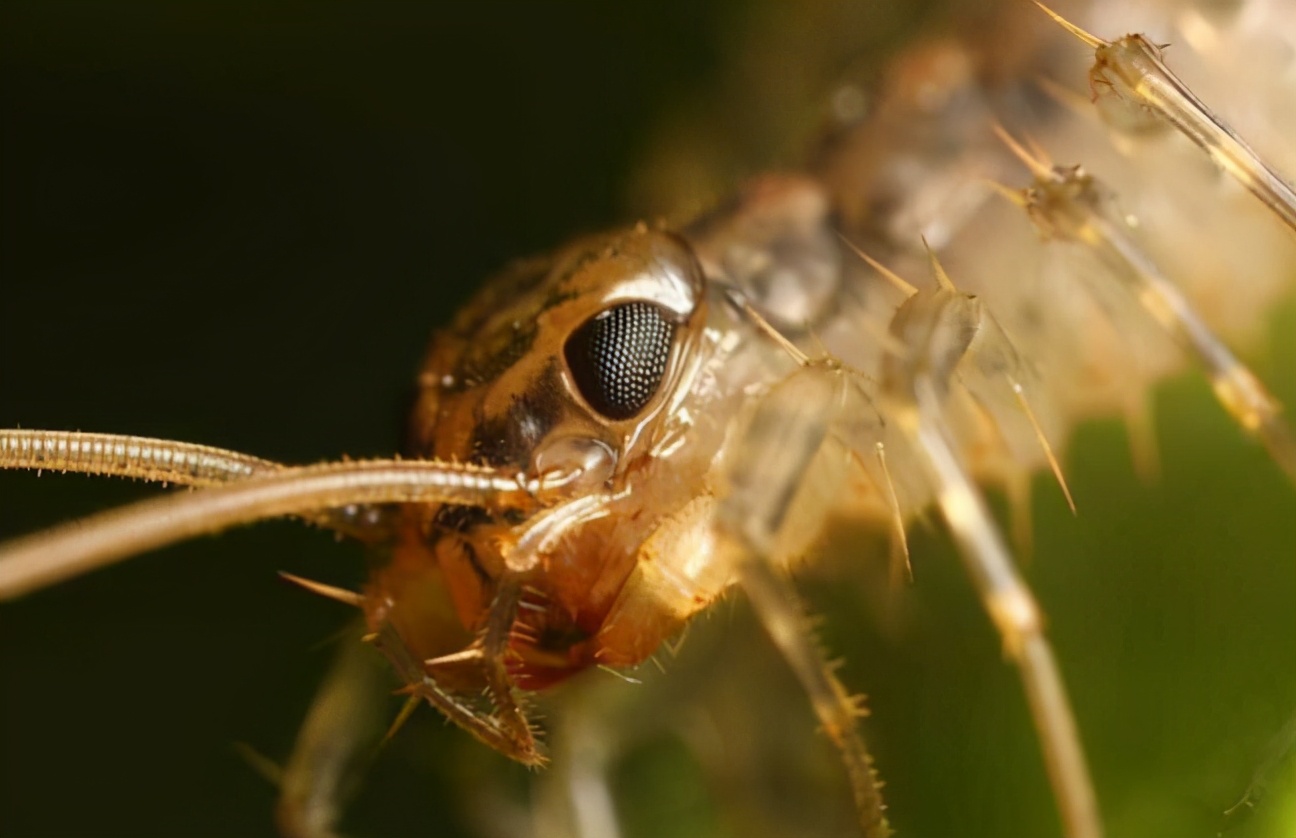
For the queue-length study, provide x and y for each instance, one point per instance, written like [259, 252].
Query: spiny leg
[785, 437]
[941, 328]
[1000, 382]
[486, 729]
[496, 637]
[1068, 204]
[506, 728]
[1131, 70]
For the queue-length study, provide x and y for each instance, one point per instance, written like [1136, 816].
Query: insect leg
[1135, 80]
[941, 329]
[336, 743]
[575, 798]
[1068, 204]
[495, 639]
[776, 461]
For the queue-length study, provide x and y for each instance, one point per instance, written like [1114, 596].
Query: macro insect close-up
[238, 228]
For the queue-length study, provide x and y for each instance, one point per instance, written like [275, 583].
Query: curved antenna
[164, 461]
[41, 559]
[137, 457]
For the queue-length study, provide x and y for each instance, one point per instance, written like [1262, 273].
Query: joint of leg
[1017, 616]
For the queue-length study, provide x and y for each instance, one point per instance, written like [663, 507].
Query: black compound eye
[618, 358]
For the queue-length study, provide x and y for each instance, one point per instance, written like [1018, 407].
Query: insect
[232, 395]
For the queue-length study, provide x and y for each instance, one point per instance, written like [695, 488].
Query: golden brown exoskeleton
[610, 437]
[592, 360]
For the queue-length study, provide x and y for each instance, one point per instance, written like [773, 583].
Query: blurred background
[238, 225]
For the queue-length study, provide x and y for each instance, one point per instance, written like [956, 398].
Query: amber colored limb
[495, 640]
[778, 449]
[1138, 63]
[781, 612]
[1133, 69]
[1238, 389]
[1012, 608]
[1067, 204]
[948, 334]
[41, 559]
[486, 729]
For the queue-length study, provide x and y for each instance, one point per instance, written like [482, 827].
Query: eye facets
[618, 358]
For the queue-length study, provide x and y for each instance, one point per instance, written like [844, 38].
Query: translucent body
[866, 680]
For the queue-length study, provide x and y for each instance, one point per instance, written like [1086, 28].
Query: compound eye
[618, 358]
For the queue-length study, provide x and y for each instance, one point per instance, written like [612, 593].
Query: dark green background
[237, 227]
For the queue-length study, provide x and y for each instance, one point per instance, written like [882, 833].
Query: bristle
[943, 280]
[897, 281]
[407, 710]
[271, 771]
[1054, 465]
[1083, 36]
[1035, 160]
[471, 654]
[624, 678]
[341, 595]
[1016, 197]
[900, 559]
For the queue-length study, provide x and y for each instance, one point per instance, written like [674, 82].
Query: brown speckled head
[563, 363]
